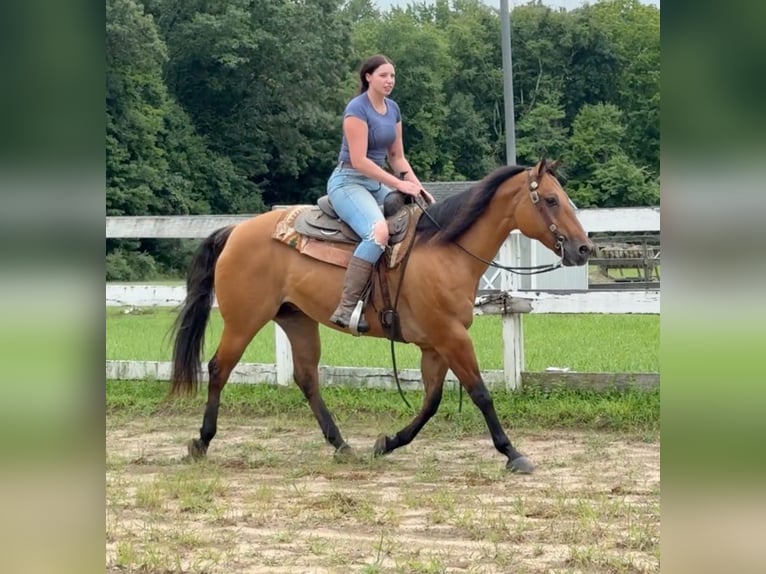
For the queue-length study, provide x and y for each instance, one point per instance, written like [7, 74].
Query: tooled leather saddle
[321, 222]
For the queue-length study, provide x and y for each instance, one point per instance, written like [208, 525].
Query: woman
[357, 188]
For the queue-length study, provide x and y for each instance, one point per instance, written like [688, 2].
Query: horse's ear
[540, 167]
[554, 165]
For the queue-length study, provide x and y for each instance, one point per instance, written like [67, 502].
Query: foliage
[231, 107]
[602, 173]
[156, 162]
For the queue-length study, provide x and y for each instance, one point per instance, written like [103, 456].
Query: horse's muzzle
[576, 252]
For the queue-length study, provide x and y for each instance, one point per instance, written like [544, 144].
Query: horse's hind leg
[228, 354]
[303, 333]
[433, 368]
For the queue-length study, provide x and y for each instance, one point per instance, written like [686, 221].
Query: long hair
[368, 67]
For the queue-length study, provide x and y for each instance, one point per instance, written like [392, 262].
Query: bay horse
[257, 279]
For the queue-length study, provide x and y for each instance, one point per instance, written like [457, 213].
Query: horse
[257, 279]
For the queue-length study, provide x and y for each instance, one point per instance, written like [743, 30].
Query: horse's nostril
[584, 249]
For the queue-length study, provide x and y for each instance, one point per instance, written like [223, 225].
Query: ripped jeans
[357, 199]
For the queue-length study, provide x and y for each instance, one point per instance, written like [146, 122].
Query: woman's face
[381, 80]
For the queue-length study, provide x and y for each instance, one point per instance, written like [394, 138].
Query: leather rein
[545, 213]
[389, 317]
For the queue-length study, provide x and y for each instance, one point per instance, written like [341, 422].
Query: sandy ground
[272, 499]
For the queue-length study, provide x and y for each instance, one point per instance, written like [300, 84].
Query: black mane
[457, 213]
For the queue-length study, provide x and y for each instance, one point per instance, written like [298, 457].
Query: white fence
[510, 298]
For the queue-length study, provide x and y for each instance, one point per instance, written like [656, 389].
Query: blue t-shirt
[381, 129]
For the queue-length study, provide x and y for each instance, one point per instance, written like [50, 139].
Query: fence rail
[510, 302]
[644, 302]
[196, 226]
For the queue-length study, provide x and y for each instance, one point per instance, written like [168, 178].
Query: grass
[272, 496]
[586, 343]
[635, 412]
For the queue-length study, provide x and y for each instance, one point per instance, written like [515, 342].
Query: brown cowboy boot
[357, 275]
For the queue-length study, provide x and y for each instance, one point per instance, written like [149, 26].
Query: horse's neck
[491, 228]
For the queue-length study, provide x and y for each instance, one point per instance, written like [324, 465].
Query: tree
[156, 163]
[472, 33]
[229, 106]
[136, 103]
[541, 132]
[634, 30]
[420, 55]
[467, 152]
[601, 172]
[358, 10]
[248, 74]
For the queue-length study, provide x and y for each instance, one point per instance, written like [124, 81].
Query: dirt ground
[270, 498]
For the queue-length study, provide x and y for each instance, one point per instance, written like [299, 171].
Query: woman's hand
[414, 189]
[429, 198]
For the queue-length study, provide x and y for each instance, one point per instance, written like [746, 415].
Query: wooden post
[513, 340]
[284, 359]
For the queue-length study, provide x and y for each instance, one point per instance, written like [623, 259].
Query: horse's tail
[189, 326]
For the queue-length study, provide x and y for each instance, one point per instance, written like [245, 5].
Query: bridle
[544, 212]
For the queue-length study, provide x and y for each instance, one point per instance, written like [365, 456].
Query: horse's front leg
[433, 368]
[460, 355]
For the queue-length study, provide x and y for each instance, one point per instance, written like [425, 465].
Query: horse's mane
[458, 212]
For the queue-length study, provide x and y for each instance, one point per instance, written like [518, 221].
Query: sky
[568, 4]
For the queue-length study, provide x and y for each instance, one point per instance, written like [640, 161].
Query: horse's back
[248, 258]
[253, 262]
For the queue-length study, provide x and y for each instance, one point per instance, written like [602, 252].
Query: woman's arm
[399, 163]
[397, 160]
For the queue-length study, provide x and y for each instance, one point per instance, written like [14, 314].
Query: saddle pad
[328, 251]
[334, 252]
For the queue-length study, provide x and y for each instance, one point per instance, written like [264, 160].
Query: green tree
[601, 172]
[420, 55]
[472, 33]
[634, 29]
[259, 79]
[358, 10]
[156, 163]
[467, 151]
[541, 132]
[136, 103]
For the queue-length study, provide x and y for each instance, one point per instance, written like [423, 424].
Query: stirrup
[356, 317]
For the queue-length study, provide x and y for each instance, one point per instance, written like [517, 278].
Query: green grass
[626, 411]
[586, 343]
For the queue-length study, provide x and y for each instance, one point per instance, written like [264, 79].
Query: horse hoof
[197, 450]
[345, 453]
[381, 446]
[521, 464]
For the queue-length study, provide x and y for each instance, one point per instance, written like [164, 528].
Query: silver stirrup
[356, 315]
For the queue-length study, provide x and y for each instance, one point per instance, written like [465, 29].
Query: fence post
[284, 358]
[284, 352]
[513, 335]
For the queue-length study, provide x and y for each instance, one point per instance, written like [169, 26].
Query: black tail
[189, 326]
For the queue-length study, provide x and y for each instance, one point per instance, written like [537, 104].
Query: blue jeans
[358, 200]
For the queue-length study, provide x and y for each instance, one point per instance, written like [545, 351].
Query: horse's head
[547, 214]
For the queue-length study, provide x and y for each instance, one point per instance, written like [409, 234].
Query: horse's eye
[551, 201]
